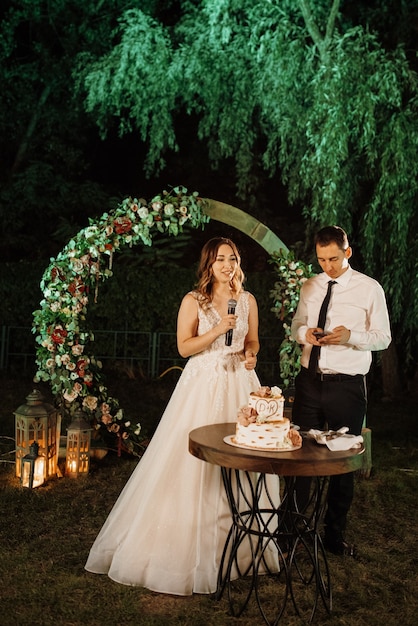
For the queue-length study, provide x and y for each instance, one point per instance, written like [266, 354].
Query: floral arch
[64, 343]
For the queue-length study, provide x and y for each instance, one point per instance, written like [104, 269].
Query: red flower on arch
[122, 225]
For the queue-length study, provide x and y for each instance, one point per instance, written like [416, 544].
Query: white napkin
[336, 439]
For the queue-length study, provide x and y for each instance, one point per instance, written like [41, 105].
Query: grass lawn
[45, 536]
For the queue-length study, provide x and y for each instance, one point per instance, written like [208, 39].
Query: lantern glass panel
[78, 452]
[33, 472]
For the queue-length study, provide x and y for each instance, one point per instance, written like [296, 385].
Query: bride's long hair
[208, 256]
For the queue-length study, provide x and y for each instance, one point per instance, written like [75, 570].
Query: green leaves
[137, 84]
[390, 221]
[305, 88]
[291, 274]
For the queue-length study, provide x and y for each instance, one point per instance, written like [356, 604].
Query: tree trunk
[23, 147]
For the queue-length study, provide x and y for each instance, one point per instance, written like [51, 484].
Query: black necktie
[313, 359]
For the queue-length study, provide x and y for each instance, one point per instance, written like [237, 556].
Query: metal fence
[148, 353]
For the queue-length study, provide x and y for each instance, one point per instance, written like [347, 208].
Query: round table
[270, 525]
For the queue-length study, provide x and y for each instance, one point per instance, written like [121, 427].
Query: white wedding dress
[167, 530]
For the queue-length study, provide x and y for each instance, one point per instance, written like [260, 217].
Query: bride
[167, 529]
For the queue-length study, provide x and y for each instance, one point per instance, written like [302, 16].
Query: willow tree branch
[310, 23]
[321, 42]
[331, 22]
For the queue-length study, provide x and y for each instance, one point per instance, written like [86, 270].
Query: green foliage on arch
[291, 274]
[64, 352]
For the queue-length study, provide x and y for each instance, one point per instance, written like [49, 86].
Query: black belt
[338, 378]
[334, 378]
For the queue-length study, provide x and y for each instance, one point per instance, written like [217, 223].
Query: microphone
[231, 311]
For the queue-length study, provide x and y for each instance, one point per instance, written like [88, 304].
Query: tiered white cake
[261, 424]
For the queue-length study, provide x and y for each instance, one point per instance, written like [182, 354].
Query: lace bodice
[210, 317]
[229, 357]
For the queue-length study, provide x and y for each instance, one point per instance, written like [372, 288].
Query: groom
[341, 318]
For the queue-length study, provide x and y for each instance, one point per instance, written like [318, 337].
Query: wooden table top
[312, 459]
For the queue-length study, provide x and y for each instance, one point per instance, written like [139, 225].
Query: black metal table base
[287, 557]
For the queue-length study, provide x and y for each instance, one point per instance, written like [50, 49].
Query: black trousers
[330, 403]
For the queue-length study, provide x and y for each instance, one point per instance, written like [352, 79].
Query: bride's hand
[250, 360]
[227, 323]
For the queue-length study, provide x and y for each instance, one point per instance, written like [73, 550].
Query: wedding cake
[261, 425]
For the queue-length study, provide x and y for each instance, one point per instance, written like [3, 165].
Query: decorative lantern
[38, 422]
[32, 468]
[77, 460]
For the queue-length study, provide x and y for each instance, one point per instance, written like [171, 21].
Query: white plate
[230, 440]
